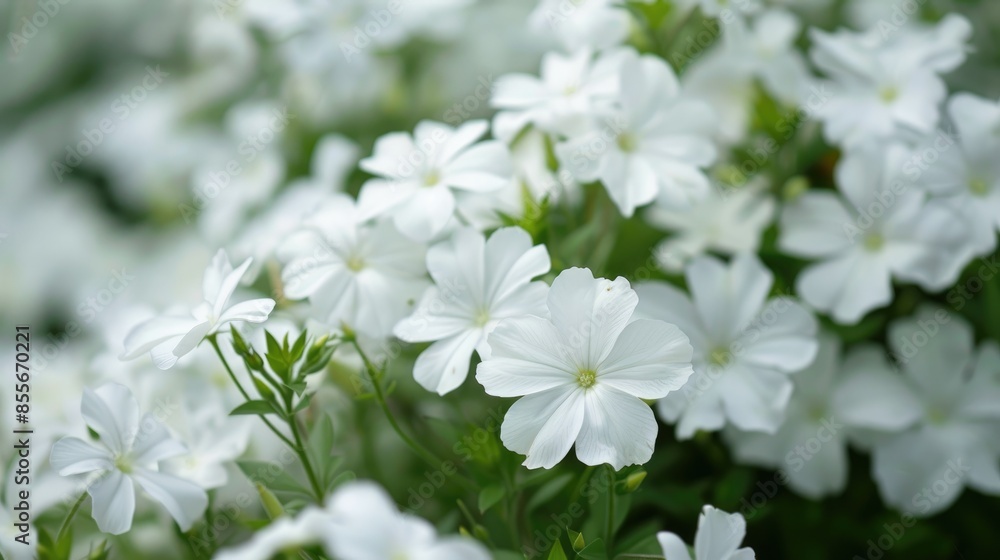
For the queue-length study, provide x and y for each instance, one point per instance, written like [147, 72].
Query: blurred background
[121, 125]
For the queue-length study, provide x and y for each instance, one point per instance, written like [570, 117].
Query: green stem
[420, 450]
[246, 395]
[304, 457]
[69, 516]
[609, 532]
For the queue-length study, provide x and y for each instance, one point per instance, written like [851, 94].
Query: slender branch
[246, 395]
[609, 531]
[69, 516]
[304, 457]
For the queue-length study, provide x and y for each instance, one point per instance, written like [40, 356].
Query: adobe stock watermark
[249, 148]
[33, 24]
[121, 108]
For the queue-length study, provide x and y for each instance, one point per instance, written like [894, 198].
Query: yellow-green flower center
[627, 142]
[586, 378]
[978, 186]
[888, 94]
[481, 317]
[123, 463]
[874, 242]
[432, 178]
[719, 357]
[355, 263]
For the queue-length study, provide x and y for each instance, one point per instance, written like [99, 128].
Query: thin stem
[69, 516]
[246, 395]
[609, 532]
[304, 457]
[420, 450]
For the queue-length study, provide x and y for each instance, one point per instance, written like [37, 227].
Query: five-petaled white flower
[477, 284]
[362, 274]
[718, 538]
[130, 451]
[583, 374]
[169, 337]
[956, 407]
[416, 175]
[745, 346]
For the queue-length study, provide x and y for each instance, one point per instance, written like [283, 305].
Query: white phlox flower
[718, 538]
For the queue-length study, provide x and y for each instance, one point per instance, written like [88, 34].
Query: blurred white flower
[596, 24]
[654, 145]
[214, 439]
[881, 229]
[718, 538]
[830, 400]
[129, 452]
[886, 84]
[284, 533]
[729, 221]
[477, 284]
[416, 175]
[954, 442]
[564, 98]
[749, 53]
[745, 345]
[967, 174]
[362, 274]
[583, 374]
[168, 337]
[367, 525]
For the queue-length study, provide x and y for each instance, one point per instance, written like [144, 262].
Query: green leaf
[278, 365]
[254, 407]
[490, 496]
[320, 441]
[548, 491]
[272, 475]
[594, 551]
[272, 344]
[239, 345]
[556, 552]
[298, 348]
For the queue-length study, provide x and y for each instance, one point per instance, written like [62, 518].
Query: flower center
[355, 263]
[432, 178]
[586, 378]
[937, 415]
[627, 142]
[481, 317]
[978, 186]
[888, 94]
[123, 463]
[720, 357]
[874, 242]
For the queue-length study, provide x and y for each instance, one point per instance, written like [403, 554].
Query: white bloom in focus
[583, 374]
[954, 442]
[416, 175]
[654, 145]
[362, 274]
[886, 86]
[477, 284]
[565, 97]
[367, 525]
[745, 345]
[718, 538]
[881, 229]
[128, 453]
[831, 401]
[168, 337]
[967, 174]
[729, 221]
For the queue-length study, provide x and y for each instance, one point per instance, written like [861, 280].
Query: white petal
[444, 365]
[425, 213]
[719, 533]
[455, 548]
[659, 300]
[228, 286]
[113, 413]
[435, 318]
[590, 313]
[728, 297]
[755, 399]
[911, 471]
[113, 497]
[527, 355]
[848, 286]
[872, 395]
[149, 334]
[154, 442]
[251, 311]
[185, 500]
[813, 226]
[673, 547]
[782, 336]
[511, 262]
[72, 455]
[618, 429]
[544, 426]
[216, 272]
[649, 359]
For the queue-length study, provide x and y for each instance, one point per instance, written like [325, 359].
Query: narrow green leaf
[254, 407]
[556, 552]
[490, 496]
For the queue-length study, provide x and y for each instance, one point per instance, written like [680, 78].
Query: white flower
[284, 533]
[171, 336]
[362, 274]
[729, 222]
[967, 175]
[129, 452]
[762, 52]
[891, 232]
[214, 439]
[416, 175]
[954, 442]
[367, 525]
[596, 24]
[583, 374]
[831, 401]
[718, 538]
[886, 86]
[477, 284]
[745, 345]
[654, 144]
[565, 96]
